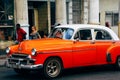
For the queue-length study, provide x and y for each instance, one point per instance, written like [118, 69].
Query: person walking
[107, 24]
[21, 34]
[34, 34]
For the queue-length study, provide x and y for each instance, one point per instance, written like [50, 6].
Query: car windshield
[63, 33]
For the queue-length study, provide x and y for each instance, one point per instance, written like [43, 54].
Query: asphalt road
[88, 73]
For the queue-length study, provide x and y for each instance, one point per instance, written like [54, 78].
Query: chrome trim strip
[86, 49]
[56, 51]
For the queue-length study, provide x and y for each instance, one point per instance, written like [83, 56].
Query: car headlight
[29, 57]
[7, 50]
[33, 52]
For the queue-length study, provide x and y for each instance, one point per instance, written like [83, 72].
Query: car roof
[81, 26]
[76, 26]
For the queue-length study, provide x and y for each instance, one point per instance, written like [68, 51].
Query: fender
[112, 53]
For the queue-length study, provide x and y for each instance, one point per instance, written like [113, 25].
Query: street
[88, 73]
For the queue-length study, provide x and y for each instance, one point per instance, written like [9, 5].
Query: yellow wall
[108, 5]
[36, 18]
[42, 18]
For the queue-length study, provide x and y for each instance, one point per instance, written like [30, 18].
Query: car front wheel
[118, 63]
[52, 68]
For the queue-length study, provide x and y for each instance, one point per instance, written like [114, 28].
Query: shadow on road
[68, 74]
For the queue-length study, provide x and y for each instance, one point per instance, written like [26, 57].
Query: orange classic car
[67, 46]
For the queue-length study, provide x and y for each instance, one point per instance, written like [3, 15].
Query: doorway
[31, 18]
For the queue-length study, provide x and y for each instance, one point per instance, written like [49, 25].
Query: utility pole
[49, 16]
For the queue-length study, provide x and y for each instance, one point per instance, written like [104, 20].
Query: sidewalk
[2, 57]
[2, 61]
[3, 45]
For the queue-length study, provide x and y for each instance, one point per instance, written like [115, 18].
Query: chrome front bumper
[22, 64]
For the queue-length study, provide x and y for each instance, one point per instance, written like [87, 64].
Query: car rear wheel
[118, 63]
[52, 68]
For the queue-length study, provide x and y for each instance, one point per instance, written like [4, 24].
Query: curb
[3, 56]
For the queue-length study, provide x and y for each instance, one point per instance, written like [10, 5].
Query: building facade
[45, 13]
[109, 12]
[6, 19]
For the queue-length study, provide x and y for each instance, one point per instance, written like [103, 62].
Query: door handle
[92, 42]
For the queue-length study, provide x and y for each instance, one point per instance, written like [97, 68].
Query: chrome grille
[19, 56]
[20, 59]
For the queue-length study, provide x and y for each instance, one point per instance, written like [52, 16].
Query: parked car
[67, 46]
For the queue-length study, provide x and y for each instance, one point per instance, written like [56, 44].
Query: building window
[6, 19]
[6, 12]
[112, 18]
[116, 16]
[77, 10]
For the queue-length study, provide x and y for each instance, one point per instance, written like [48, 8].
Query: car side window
[102, 35]
[84, 34]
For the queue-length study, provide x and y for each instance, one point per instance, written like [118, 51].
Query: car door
[84, 51]
[103, 41]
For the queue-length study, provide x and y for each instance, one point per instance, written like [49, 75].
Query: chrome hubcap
[53, 68]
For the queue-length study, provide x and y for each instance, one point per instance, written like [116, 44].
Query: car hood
[46, 44]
